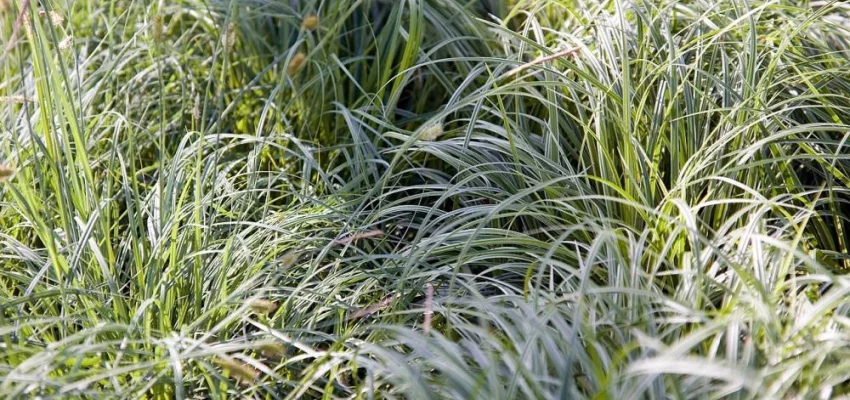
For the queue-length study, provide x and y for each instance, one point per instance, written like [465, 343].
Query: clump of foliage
[424, 199]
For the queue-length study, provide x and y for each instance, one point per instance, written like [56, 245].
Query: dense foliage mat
[424, 199]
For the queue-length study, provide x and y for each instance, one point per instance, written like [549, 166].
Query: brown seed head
[310, 22]
[296, 63]
[6, 172]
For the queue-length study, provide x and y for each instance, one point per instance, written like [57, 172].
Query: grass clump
[424, 199]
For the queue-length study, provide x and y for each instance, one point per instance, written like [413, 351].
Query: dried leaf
[365, 312]
[357, 236]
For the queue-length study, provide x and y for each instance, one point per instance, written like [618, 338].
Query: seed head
[196, 109]
[157, 28]
[230, 36]
[262, 306]
[239, 370]
[6, 172]
[432, 132]
[66, 43]
[272, 349]
[14, 99]
[288, 259]
[296, 63]
[310, 22]
[26, 23]
[56, 18]
[429, 307]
